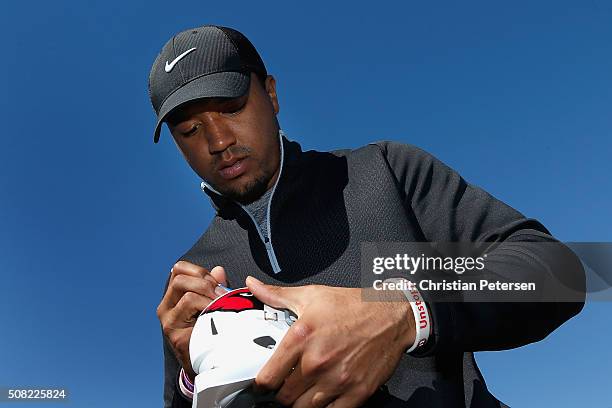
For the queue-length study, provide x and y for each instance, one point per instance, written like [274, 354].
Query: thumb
[218, 272]
[276, 296]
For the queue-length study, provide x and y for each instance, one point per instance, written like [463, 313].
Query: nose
[219, 137]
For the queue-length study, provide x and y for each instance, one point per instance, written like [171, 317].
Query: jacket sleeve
[449, 209]
[173, 397]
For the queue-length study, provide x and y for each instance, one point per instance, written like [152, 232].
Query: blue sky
[515, 96]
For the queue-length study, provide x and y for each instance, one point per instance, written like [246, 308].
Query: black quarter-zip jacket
[326, 203]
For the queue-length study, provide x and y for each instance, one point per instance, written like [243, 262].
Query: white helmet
[231, 341]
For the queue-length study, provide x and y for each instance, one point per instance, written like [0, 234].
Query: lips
[230, 169]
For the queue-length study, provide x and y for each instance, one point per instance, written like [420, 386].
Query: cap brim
[217, 85]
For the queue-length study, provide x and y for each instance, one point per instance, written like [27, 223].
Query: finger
[285, 357]
[184, 314]
[294, 386]
[277, 296]
[181, 284]
[349, 400]
[218, 272]
[188, 268]
[179, 268]
[315, 397]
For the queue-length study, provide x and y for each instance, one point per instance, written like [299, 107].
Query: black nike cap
[204, 62]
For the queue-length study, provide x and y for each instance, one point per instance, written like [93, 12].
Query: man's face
[232, 144]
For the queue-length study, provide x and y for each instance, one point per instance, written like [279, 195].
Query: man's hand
[341, 348]
[190, 290]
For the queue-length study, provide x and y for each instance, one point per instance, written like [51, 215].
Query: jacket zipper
[268, 240]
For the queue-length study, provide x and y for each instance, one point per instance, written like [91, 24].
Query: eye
[191, 130]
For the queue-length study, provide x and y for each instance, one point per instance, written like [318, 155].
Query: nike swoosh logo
[171, 65]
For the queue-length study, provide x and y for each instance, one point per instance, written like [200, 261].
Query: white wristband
[419, 310]
[184, 390]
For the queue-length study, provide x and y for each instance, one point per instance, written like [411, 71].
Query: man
[295, 220]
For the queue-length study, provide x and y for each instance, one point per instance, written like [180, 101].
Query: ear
[270, 86]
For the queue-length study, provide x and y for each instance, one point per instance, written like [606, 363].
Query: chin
[247, 191]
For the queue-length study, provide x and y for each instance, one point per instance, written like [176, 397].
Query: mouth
[231, 169]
